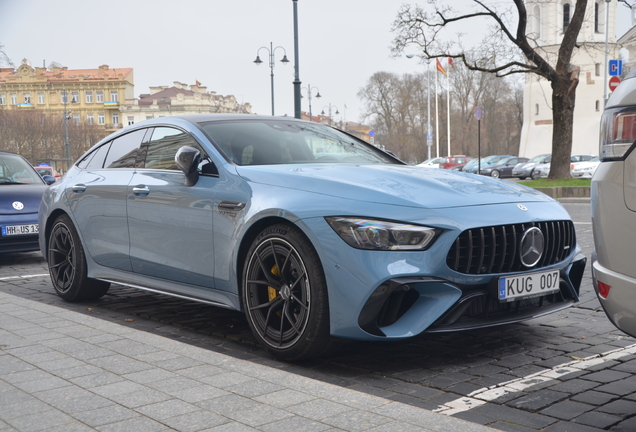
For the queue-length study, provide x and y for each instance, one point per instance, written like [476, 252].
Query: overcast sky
[341, 44]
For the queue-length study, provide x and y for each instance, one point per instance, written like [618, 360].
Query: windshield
[537, 159]
[266, 142]
[15, 170]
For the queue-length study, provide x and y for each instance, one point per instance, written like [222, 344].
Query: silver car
[524, 170]
[613, 195]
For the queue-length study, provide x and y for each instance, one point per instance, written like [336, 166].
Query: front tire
[535, 175]
[284, 294]
[67, 264]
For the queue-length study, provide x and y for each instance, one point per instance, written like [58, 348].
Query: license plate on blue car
[528, 285]
[10, 230]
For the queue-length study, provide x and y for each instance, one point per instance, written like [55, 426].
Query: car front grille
[495, 249]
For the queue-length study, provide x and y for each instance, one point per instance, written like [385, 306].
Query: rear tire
[535, 174]
[284, 294]
[67, 264]
[494, 174]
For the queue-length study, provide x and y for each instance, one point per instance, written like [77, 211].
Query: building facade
[547, 21]
[92, 96]
[179, 99]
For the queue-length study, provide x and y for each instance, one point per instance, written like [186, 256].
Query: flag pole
[436, 117]
[448, 107]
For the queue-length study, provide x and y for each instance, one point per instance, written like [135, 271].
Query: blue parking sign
[616, 67]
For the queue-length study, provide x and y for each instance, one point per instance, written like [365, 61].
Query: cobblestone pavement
[569, 371]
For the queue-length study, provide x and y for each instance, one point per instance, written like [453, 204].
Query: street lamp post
[271, 51]
[297, 81]
[607, 2]
[309, 88]
[67, 116]
[330, 107]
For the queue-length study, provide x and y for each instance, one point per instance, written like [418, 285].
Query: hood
[401, 185]
[29, 195]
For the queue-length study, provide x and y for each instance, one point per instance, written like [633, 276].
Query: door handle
[79, 188]
[141, 190]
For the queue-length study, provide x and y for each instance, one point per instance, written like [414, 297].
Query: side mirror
[187, 159]
[49, 180]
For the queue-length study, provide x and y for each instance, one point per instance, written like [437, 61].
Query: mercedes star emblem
[522, 207]
[18, 205]
[531, 248]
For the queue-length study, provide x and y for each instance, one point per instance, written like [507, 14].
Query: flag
[198, 83]
[449, 62]
[440, 68]
[345, 106]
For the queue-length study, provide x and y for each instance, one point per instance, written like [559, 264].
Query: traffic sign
[478, 113]
[616, 67]
[614, 82]
[371, 133]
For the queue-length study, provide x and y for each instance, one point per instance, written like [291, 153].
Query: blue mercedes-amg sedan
[313, 233]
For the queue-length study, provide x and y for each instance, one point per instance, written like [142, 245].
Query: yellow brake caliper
[272, 292]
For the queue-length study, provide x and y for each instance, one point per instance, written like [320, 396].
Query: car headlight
[373, 234]
[618, 133]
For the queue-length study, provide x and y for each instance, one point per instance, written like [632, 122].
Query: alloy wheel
[278, 293]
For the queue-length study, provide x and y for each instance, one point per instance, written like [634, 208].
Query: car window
[163, 146]
[15, 170]
[95, 160]
[123, 150]
[265, 142]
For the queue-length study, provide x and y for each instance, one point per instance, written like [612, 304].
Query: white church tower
[547, 21]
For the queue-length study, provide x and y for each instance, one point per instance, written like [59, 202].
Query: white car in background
[585, 169]
[432, 163]
[543, 170]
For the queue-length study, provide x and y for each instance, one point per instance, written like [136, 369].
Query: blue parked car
[21, 189]
[314, 234]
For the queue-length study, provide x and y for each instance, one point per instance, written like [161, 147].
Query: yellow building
[92, 96]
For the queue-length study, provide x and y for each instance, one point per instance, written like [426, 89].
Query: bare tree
[4, 58]
[40, 137]
[511, 52]
[396, 107]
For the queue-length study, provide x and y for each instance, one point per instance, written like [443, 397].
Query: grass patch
[554, 183]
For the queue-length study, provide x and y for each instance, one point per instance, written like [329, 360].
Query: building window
[596, 17]
[64, 97]
[536, 109]
[3, 99]
[598, 105]
[148, 117]
[115, 119]
[14, 99]
[100, 119]
[89, 97]
[113, 96]
[566, 16]
[597, 69]
[90, 119]
[131, 120]
[27, 98]
[76, 119]
[74, 97]
[40, 98]
[100, 97]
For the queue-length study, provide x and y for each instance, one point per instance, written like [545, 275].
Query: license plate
[20, 229]
[528, 285]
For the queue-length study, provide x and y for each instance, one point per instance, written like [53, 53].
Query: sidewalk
[64, 371]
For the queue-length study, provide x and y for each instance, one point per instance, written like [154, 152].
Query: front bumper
[19, 243]
[379, 295]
